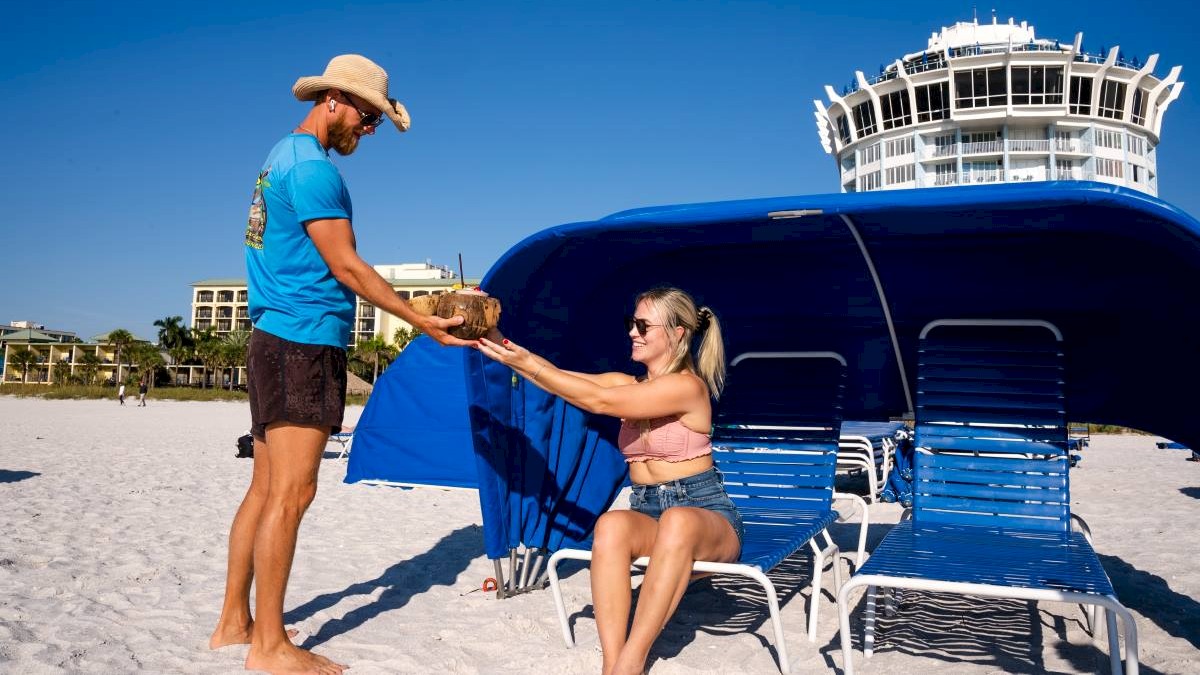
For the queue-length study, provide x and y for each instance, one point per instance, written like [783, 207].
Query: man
[121, 394]
[303, 274]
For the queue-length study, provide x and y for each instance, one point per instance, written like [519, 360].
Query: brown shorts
[294, 382]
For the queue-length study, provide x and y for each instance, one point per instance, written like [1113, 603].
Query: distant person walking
[121, 394]
[142, 387]
[303, 274]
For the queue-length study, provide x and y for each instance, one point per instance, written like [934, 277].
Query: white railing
[969, 177]
[943, 150]
[1028, 145]
[982, 147]
[1073, 174]
[1073, 145]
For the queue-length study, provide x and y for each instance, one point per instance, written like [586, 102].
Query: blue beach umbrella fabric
[414, 429]
[857, 273]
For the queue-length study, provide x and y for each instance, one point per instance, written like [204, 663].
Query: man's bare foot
[291, 660]
[224, 636]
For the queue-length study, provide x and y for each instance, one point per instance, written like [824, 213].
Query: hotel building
[993, 103]
[222, 305]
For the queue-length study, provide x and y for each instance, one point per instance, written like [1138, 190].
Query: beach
[113, 560]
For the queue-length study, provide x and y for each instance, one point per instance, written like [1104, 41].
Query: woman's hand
[509, 353]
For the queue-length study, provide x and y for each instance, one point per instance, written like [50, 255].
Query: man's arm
[334, 239]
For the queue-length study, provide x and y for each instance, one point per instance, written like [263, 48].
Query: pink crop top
[666, 439]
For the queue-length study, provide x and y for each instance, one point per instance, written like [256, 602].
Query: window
[204, 312]
[848, 162]
[864, 119]
[944, 174]
[896, 109]
[901, 174]
[870, 154]
[1113, 168]
[1136, 173]
[944, 146]
[1037, 85]
[417, 294]
[843, 127]
[1081, 96]
[241, 296]
[243, 312]
[1137, 145]
[1064, 169]
[366, 325]
[1112, 99]
[204, 296]
[224, 312]
[1108, 139]
[980, 87]
[899, 147]
[366, 310]
[869, 181]
[403, 295]
[933, 102]
[243, 324]
[224, 296]
[1139, 106]
[224, 325]
[201, 324]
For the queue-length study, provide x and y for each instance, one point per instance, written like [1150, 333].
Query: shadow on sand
[439, 566]
[7, 476]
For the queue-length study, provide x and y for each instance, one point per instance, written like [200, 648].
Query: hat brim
[310, 88]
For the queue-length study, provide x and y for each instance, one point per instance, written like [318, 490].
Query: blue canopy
[415, 429]
[858, 273]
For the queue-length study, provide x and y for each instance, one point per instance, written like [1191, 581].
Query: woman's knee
[678, 528]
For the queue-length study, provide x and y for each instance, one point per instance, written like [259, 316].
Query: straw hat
[359, 76]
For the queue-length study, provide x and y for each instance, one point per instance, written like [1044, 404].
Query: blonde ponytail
[678, 309]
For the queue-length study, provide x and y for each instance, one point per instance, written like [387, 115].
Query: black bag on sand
[245, 446]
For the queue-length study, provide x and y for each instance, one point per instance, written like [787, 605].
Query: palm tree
[403, 336]
[173, 337]
[119, 338]
[147, 358]
[23, 358]
[208, 346]
[374, 350]
[89, 364]
[237, 344]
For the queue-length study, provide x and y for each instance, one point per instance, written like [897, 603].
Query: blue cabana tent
[415, 430]
[858, 273]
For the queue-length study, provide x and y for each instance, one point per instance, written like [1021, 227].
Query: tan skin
[262, 539]
[682, 535]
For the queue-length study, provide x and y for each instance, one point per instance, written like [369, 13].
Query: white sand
[112, 560]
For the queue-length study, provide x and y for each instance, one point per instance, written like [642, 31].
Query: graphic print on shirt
[257, 224]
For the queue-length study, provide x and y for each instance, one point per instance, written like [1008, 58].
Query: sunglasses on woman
[642, 325]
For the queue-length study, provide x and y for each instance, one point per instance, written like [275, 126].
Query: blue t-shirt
[293, 295]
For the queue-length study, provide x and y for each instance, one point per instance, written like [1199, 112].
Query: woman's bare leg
[621, 537]
[685, 534]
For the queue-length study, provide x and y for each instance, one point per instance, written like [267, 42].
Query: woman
[680, 512]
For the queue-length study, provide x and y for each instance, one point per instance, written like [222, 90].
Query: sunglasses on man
[642, 325]
[365, 119]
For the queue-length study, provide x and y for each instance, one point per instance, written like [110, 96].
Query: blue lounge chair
[775, 440]
[991, 505]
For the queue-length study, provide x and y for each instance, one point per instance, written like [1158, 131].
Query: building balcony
[1073, 146]
[983, 148]
[1028, 145]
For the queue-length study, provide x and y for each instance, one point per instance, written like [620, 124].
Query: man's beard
[342, 138]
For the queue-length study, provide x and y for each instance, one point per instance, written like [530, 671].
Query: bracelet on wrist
[539, 372]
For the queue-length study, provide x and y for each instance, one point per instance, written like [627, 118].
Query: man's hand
[435, 327]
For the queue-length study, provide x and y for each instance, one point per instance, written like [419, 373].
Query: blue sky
[137, 128]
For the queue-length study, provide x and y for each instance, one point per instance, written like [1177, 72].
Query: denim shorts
[705, 490]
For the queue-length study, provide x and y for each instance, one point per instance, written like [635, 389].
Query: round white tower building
[992, 103]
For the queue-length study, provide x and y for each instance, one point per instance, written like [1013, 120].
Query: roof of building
[27, 335]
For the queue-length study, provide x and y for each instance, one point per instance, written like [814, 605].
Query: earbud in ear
[332, 105]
